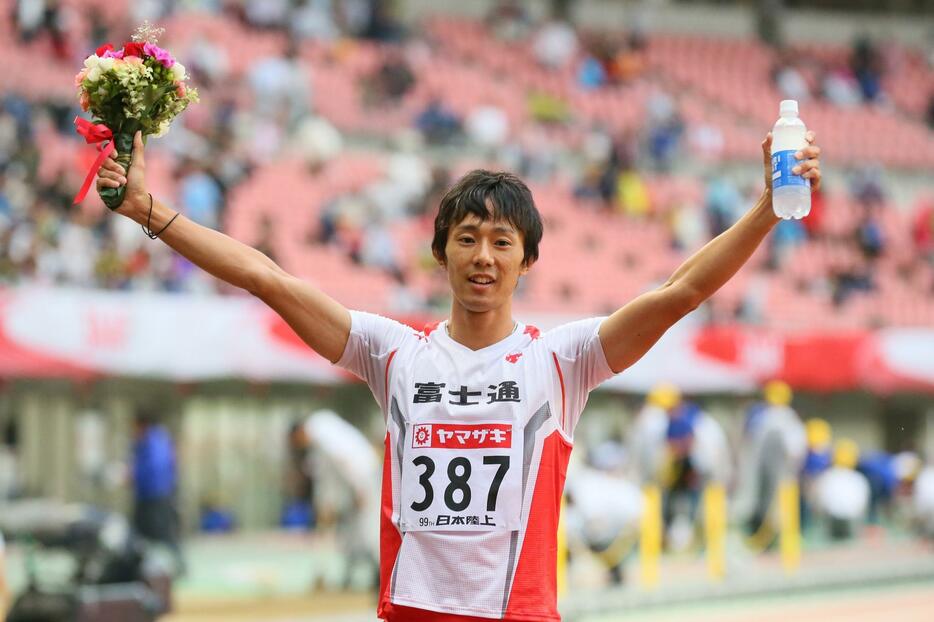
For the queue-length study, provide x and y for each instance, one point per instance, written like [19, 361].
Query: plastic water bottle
[791, 194]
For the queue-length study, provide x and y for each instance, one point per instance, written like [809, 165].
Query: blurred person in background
[773, 451]
[155, 486]
[298, 511]
[923, 501]
[842, 493]
[432, 386]
[886, 474]
[698, 455]
[647, 436]
[346, 470]
[819, 458]
[604, 507]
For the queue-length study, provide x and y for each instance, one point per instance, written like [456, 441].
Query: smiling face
[484, 260]
[486, 236]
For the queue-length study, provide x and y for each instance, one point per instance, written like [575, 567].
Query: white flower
[92, 61]
[163, 128]
[95, 74]
[106, 64]
[178, 71]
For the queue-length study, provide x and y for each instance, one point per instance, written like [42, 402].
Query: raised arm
[321, 322]
[632, 330]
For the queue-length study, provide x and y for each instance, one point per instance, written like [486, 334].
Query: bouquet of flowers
[137, 88]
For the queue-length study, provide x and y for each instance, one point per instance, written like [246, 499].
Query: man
[697, 457]
[647, 435]
[155, 515]
[842, 492]
[348, 468]
[480, 409]
[774, 449]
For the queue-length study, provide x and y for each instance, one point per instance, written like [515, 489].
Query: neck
[479, 330]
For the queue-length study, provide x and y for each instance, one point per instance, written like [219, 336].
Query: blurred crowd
[840, 491]
[251, 116]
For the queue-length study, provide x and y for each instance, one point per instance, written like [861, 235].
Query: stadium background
[325, 140]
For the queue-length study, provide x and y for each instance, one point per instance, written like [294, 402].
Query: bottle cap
[788, 106]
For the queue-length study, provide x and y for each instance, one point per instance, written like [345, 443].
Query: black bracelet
[147, 227]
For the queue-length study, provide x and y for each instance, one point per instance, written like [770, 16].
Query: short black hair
[512, 202]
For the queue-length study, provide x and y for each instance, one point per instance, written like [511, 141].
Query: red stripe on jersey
[390, 540]
[561, 379]
[534, 595]
[386, 378]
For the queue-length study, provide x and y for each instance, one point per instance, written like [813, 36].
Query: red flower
[103, 49]
[133, 49]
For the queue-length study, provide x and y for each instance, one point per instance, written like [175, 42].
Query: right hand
[112, 175]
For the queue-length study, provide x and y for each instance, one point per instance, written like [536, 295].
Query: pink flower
[159, 54]
[85, 101]
[111, 54]
[180, 90]
[81, 76]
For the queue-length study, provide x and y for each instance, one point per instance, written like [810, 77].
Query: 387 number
[457, 494]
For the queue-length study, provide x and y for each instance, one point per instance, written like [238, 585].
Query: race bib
[461, 477]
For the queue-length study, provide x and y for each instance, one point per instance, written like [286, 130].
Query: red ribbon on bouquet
[93, 134]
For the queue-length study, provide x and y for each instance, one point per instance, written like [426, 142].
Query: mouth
[482, 280]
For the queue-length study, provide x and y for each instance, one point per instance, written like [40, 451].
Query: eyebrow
[497, 228]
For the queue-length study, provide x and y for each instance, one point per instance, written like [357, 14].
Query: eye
[503, 243]
[465, 239]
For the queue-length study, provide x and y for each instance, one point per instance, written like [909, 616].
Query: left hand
[808, 167]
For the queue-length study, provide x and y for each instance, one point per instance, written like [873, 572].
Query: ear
[442, 261]
[525, 267]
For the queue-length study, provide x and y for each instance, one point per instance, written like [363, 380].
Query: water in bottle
[791, 194]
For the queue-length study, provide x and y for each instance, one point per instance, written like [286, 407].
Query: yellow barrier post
[790, 527]
[715, 524]
[562, 572]
[650, 536]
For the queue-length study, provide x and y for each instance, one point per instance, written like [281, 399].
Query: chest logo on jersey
[513, 358]
[462, 436]
[428, 392]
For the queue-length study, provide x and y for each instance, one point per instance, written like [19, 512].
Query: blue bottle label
[782, 163]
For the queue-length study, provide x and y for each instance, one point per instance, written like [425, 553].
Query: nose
[484, 254]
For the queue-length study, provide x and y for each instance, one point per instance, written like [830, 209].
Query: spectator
[869, 236]
[665, 127]
[281, 85]
[923, 502]
[200, 195]
[788, 79]
[487, 126]
[555, 45]
[314, 19]
[348, 467]
[787, 235]
[839, 86]
[317, 142]
[437, 123]
[723, 203]
[380, 25]
[393, 80]
[508, 20]
[842, 492]
[155, 480]
[866, 63]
